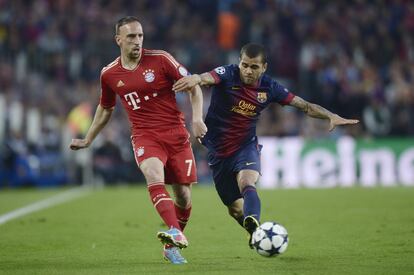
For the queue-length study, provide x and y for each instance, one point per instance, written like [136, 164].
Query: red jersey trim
[217, 79]
[165, 54]
[106, 107]
[110, 65]
[288, 99]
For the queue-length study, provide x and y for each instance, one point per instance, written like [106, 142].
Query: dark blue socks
[251, 202]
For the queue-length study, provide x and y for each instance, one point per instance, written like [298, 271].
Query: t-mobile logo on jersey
[133, 99]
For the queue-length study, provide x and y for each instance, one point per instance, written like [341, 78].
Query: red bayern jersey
[145, 92]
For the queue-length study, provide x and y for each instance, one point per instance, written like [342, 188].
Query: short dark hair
[123, 21]
[253, 50]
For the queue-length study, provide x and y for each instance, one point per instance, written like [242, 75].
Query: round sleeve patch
[220, 70]
[183, 71]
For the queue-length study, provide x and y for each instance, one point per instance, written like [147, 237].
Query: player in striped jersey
[143, 79]
[241, 92]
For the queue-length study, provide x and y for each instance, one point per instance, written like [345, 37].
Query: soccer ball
[270, 239]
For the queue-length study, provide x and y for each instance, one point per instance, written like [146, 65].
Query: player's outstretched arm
[316, 111]
[188, 82]
[100, 119]
[196, 98]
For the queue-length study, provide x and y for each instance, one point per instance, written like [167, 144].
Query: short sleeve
[281, 94]
[223, 73]
[108, 97]
[173, 69]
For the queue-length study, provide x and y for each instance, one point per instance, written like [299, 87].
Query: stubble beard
[134, 56]
[247, 80]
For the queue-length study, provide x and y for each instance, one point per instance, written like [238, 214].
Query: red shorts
[173, 148]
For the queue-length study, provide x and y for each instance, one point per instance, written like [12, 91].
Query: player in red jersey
[143, 81]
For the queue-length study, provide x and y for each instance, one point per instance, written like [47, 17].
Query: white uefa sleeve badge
[140, 151]
[220, 70]
[183, 71]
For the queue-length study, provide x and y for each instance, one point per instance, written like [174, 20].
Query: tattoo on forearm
[318, 111]
[312, 110]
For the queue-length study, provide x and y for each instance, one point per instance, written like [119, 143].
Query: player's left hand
[199, 129]
[186, 83]
[336, 120]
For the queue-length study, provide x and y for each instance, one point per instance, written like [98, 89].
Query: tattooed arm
[188, 82]
[316, 111]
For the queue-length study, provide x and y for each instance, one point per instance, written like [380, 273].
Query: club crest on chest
[149, 75]
[261, 97]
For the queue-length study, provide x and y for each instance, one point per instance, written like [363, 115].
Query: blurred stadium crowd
[355, 58]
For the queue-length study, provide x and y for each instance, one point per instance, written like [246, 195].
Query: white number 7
[190, 163]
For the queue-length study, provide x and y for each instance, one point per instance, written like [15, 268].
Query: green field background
[112, 231]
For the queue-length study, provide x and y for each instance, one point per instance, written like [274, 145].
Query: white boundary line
[46, 203]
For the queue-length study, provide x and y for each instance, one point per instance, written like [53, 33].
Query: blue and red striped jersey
[235, 109]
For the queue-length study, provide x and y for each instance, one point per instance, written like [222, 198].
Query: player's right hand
[186, 83]
[77, 144]
[336, 120]
[199, 129]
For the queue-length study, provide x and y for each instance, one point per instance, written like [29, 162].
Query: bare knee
[153, 170]
[244, 182]
[247, 178]
[153, 175]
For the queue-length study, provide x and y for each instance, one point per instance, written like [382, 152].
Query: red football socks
[163, 204]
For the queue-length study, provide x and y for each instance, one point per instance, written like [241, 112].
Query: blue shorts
[225, 170]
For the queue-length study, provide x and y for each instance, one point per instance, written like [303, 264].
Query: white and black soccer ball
[270, 239]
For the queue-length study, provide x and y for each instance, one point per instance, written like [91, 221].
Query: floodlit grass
[112, 231]
[11, 199]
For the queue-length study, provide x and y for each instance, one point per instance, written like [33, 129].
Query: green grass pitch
[112, 231]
